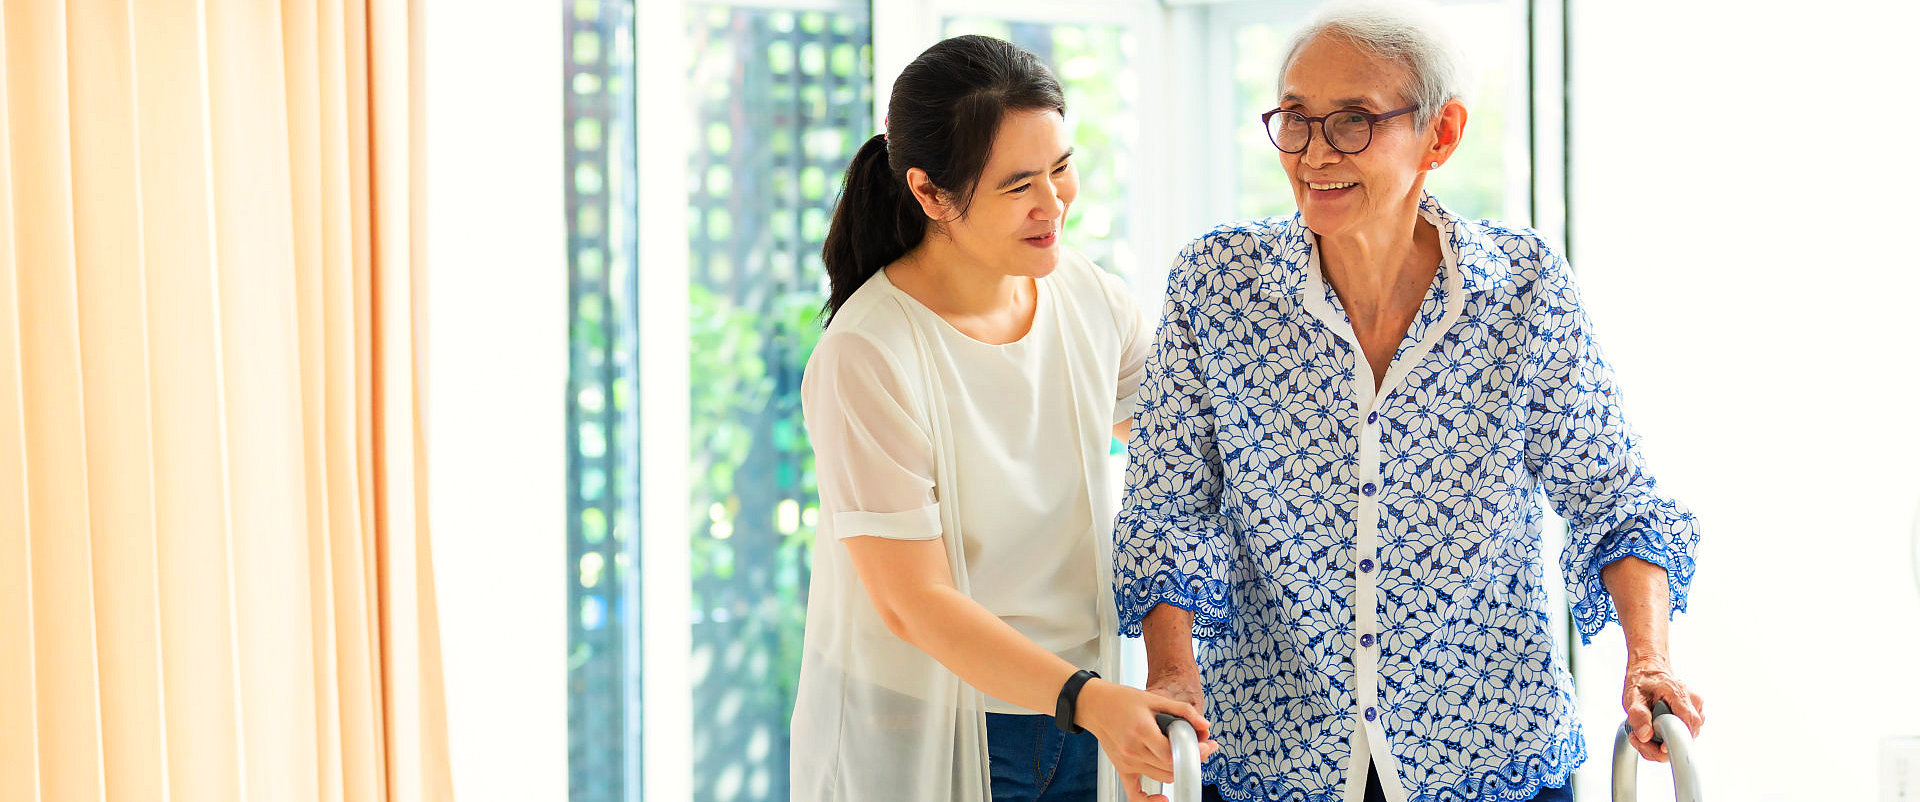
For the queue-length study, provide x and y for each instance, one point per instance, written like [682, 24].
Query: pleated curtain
[215, 581]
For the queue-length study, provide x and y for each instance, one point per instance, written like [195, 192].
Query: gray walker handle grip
[1186, 758]
[1668, 729]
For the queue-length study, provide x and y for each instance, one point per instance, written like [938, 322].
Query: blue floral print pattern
[1353, 556]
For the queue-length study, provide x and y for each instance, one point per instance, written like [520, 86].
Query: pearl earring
[1433, 165]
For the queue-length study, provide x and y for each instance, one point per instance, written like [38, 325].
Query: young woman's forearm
[983, 650]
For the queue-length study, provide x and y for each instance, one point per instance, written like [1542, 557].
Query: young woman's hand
[1122, 718]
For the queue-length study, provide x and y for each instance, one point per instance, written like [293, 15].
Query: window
[603, 638]
[777, 100]
[782, 100]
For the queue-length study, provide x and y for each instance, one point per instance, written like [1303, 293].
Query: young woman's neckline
[1041, 301]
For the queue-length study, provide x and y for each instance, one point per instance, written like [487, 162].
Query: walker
[1186, 759]
[1667, 727]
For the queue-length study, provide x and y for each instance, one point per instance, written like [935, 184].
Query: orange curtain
[215, 581]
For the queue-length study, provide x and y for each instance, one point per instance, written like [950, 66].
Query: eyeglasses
[1348, 131]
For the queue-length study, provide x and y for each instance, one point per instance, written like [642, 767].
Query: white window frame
[665, 399]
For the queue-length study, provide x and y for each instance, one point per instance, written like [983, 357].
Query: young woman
[960, 405]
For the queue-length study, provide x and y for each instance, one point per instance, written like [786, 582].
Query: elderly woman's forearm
[1168, 634]
[1639, 591]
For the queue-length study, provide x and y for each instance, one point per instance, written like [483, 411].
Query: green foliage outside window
[781, 101]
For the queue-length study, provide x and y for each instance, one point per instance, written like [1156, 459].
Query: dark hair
[942, 117]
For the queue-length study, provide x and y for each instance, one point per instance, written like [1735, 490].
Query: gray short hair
[1404, 32]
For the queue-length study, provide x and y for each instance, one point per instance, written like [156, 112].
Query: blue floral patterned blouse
[1365, 568]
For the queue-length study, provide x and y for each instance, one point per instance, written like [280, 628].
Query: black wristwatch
[1069, 696]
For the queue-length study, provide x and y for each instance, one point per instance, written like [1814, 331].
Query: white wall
[1757, 287]
[496, 243]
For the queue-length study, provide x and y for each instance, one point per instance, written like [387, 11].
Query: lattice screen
[603, 448]
[783, 99]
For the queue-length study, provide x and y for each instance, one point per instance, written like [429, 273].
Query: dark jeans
[1374, 794]
[1031, 760]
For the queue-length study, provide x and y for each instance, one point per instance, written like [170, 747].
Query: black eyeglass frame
[1372, 120]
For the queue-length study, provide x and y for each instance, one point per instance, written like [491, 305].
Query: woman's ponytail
[942, 117]
[874, 223]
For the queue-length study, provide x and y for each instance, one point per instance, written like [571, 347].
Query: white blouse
[921, 432]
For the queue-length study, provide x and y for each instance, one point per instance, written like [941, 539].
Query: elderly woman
[1347, 423]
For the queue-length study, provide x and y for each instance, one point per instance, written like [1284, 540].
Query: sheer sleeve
[1136, 339]
[872, 453]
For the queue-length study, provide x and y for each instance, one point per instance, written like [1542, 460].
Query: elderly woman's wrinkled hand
[1180, 684]
[1184, 686]
[1651, 680]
